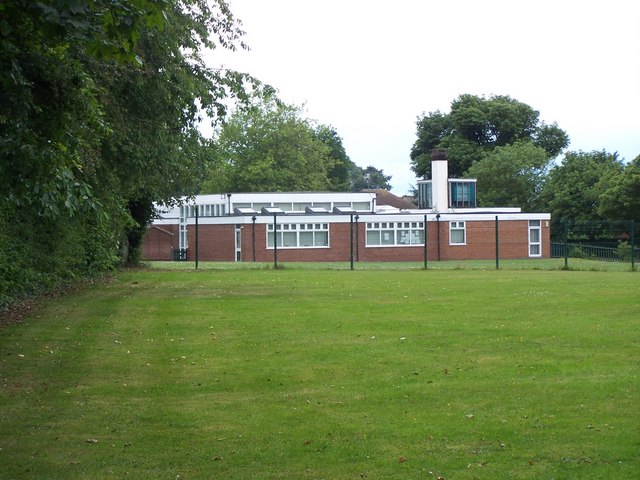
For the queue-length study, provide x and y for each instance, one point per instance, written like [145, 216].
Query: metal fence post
[253, 236]
[197, 208]
[351, 239]
[497, 246]
[565, 247]
[275, 242]
[633, 248]
[426, 252]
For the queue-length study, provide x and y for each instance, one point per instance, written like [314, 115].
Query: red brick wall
[158, 243]
[217, 243]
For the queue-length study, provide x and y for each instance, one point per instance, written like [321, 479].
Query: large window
[462, 193]
[457, 233]
[395, 233]
[299, 235]
[424, 194]
[535, 239]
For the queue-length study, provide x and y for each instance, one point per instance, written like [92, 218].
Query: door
[238, 249]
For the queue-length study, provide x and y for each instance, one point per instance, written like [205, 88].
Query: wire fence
[596, 241]
[575, 245]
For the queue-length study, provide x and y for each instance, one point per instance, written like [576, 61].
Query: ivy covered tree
[476, 126]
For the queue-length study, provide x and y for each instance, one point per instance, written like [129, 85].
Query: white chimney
[439, 180]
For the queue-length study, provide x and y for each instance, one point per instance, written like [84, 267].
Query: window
[457, 233]
[182, 235]
[462, 194]
[535, 239]
[362, 206]
[299, 235]
[395, 233]
[424, 195]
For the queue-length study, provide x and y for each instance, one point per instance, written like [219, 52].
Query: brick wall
[217, 243]
[159, 243]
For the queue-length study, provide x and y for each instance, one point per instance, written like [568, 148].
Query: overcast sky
[369, 68]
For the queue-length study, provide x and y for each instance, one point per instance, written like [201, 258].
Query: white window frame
[393, 231]
[183, 239]
[294, 231]
[458, 226]
[533, 226]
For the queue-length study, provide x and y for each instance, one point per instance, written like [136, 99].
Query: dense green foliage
[327, 374]
[572, 189]
[475, 127]
[510, 176]
[620, 197]
[100, 102]
[272, 147]
[502, 142]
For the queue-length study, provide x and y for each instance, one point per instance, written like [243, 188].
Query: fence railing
[592, 251]
[596, 240]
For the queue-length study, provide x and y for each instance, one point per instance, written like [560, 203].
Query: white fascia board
[301, 197]
[362, 217]
[478, 217]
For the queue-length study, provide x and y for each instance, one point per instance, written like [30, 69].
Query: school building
[330, 226]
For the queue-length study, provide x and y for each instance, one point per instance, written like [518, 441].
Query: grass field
[325, 374]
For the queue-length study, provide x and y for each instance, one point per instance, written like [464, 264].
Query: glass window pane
[321, 239]
[284, 206]
[290, 239]
[534, 235]
[386, 237]
[362, 206]
[457, 236]
[403, 237]
[373, 237]
[306, 239]
[417, 237]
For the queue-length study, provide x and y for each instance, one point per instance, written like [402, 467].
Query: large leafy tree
[271, 147]
[476, 126]
[369, 178]
[99, 106]
[571, 190]
[510, 175]
[154, 151]
[339, 174]
[620, 193]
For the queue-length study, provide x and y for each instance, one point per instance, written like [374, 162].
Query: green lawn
[327, 374]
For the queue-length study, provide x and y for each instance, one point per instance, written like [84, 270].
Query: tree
[339, 174]
[154, 151]
[511, 175]
[620, 193]
[475, 127]
[369, 178]
[100, 102]
[571, 191]
[270, 147]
